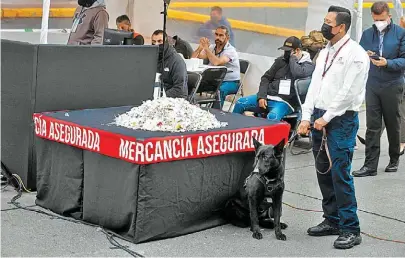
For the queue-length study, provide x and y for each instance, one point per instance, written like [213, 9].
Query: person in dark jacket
[385, 44]
[276, 92]
[174, 73]
[181, 46]
[207, 30]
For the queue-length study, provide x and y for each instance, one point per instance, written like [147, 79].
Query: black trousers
[402, 111]
[383, 103]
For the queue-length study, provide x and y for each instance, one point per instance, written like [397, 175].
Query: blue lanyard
[380, 46]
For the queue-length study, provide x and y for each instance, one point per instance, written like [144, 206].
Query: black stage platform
[143, 185]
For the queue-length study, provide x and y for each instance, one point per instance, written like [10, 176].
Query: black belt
[347, 113]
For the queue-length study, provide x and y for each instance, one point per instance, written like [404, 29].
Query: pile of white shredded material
[168, 115]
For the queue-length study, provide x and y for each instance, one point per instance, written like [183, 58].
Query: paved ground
[29, 234]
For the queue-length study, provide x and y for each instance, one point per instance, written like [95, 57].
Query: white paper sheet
[284, 87]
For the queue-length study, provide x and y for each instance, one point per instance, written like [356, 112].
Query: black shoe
[392, 167]
[347, 240]
[364, 171]
[323, 229]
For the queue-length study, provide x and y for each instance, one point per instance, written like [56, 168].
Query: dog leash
[324, 147]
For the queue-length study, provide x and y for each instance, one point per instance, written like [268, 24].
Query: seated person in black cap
[276, 94]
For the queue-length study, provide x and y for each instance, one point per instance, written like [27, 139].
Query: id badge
[284, 87]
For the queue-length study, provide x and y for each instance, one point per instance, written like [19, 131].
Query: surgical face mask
[327, 31]
[381, 25]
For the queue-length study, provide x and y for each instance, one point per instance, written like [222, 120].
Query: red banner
[162, 149]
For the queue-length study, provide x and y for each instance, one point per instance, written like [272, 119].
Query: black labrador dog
[249, 207]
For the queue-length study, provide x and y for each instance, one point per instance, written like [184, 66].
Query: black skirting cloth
[141, 202]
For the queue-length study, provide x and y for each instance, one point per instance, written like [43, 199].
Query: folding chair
[211, 81]
[193, 83]
[244, 68]
[301, 88]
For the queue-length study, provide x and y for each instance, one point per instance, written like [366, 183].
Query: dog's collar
[270, 184]
[265, 180]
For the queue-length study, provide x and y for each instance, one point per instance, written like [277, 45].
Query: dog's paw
[257, 235]
[283, 225]
[281, 236]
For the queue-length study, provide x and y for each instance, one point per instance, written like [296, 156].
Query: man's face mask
[327, 31]
[161, 50]
[381, 25]
[287, 55]
[86, 3]
[381, 21]
[157, 39]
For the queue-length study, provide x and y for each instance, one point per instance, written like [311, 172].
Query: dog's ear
[279, 148]
[256, 143]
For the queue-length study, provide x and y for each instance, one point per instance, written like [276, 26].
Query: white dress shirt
[343, 86]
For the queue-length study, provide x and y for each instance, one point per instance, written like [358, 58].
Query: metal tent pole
[46, 4]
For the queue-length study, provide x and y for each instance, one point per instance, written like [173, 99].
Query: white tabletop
[202, 68]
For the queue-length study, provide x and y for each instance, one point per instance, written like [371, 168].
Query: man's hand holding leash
[305, 126]
[320, 123]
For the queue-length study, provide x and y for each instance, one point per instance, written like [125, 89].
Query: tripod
[10, 178]
[165, 41]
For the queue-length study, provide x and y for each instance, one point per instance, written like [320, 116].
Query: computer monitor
[119, 37]
[138, 39]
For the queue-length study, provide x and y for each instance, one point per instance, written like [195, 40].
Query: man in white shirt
[334, 98]
[222, 53]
